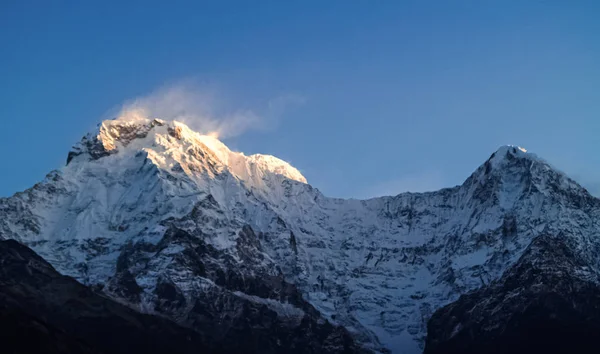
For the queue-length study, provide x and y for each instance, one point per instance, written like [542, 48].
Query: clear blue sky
[398, 95]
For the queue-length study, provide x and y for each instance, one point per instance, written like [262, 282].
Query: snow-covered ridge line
[117, 135]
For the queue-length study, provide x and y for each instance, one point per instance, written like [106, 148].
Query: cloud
[203, 111]
[278, 105]
[421, 182]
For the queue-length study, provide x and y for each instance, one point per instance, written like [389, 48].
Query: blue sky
[386, 96]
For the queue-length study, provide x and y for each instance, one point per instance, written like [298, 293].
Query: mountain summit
[172, 222]
[174, 142]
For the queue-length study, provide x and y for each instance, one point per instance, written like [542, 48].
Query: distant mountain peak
[514, 160]
[505, 152]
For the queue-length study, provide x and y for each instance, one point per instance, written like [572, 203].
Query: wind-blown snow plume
[202, 111]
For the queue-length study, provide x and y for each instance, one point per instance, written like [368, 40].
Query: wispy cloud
[204, 111]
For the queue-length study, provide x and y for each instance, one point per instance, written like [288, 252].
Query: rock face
[548, 302]
[245, 308]
[171, 222]
[42, 311]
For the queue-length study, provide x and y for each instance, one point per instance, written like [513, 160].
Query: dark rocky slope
[548, 302]
[42, 311]
[247, 308]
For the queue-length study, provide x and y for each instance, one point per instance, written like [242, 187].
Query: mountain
[171, 222]
[114, 219]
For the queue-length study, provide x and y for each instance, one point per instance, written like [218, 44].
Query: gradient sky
[390, 95]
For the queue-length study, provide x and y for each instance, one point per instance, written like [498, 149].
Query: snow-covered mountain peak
[512, 175]
[172, 143]
[512, 160]
[515, 160]
[507, 152]
[514, 149]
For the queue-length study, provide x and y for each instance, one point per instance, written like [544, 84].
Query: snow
[282, 309]
[477, 257]
[380, 267]
[513, 150]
